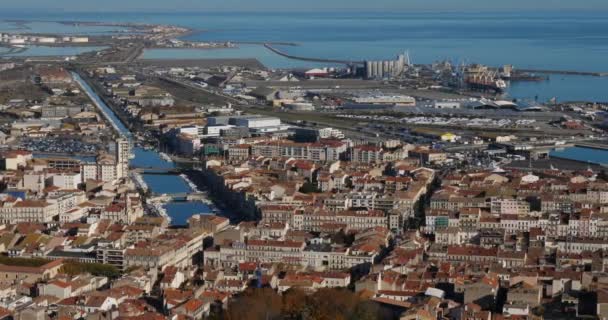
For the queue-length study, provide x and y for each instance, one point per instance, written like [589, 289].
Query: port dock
[565, 72]
[590, 145]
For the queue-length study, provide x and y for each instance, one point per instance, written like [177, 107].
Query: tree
[23, 262]
[308, 187]
[366, 310]
[255, 304]
[97, 269]
[343, 238]
[295, 304]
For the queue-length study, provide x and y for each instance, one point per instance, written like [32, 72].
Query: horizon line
[305, 10]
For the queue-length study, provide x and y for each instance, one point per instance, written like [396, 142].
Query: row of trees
[69, 267]
[74, 268]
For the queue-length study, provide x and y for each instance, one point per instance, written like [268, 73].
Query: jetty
[320, 60]
[565, 72]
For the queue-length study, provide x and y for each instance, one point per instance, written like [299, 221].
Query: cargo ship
[481, 78]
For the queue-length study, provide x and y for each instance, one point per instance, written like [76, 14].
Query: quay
[597, 166]
[544, 151]
[321, 60]
[274, 43]
[590, 145]
[565, 72]
[157, 171]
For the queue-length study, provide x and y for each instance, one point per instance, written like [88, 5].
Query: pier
[543, 151]
[590, 145]
[566, 72]
[321, 60]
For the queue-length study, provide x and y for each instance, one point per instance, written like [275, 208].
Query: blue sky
[246, 5]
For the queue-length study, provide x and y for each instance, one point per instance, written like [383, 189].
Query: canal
[179, 212]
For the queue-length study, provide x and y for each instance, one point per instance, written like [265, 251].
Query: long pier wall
[321, 60]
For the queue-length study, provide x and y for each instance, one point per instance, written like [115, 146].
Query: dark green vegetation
[97, 269]
[23, 262]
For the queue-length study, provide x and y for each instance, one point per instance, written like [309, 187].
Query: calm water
[562, 87]
[542, 40]
[181, 211]
[539, 40]
[168, 184]
[590, 155]
[265, 56]
[149, 159]
[554, 40]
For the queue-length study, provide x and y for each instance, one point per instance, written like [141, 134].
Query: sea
[572, 40]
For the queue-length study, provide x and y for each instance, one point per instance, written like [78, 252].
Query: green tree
[97, 269]
[309, 187]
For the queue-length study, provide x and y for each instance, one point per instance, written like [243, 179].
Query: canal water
[157, 183]
[169, 184]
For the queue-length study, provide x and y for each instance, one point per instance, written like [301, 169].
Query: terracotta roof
[276, 243]
[96, 301]
[193, 305]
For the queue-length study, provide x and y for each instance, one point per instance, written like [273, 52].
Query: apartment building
[40, 211]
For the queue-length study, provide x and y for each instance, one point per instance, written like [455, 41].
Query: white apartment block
[28, 211]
